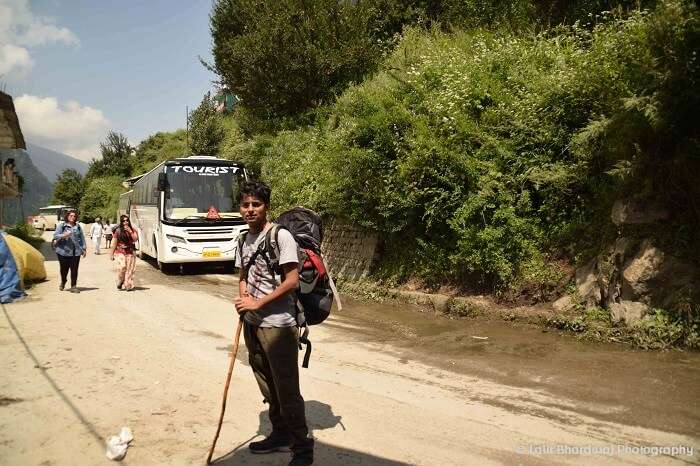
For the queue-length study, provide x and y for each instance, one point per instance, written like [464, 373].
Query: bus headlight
[176, 239]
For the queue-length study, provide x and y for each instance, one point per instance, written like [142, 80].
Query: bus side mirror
[162, 182]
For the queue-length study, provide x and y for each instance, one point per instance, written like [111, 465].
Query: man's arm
[290, 282]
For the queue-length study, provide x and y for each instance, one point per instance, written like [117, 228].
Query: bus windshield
[196, 192]
[58, 211]
[49, 211]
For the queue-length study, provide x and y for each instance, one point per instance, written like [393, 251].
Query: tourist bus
[50, 216]
[124, 203]
[186, 210]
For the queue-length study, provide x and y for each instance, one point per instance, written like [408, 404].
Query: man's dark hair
[256, 189]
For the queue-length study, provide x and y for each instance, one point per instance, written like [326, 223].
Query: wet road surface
[609, 382]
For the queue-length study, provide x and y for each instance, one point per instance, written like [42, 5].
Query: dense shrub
[101, 198]
[157, 148]
[478, 153]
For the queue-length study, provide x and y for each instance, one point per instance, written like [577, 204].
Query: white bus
[50, 216]
[186, 210]
[124, 203]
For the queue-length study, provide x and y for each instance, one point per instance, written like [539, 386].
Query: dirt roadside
[78, 367]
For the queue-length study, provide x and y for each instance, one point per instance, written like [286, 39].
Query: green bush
[663, 329]
[101, 198]
[157, 148]
[477, 154]
[26, 233]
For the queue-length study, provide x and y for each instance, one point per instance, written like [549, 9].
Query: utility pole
[187, 129]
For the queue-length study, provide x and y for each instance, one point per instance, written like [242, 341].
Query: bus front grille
[210, 231]
[208, 240]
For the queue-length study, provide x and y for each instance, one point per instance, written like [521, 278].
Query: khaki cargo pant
[273, 356]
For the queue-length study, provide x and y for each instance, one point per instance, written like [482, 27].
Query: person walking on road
[271, 335]
[108, 231]
[69, 243]
[123, 251]
[96, 234]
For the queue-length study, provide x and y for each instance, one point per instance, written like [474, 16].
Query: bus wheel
[163, 266]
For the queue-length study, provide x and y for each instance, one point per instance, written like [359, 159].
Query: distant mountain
[51, 163]
[37, 190]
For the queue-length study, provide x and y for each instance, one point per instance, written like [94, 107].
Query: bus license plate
[211, 253]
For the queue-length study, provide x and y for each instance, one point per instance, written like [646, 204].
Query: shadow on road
[319, 416]
[42, 370]
[324, 454]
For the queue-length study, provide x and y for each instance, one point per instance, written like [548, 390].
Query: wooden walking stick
[234, 352]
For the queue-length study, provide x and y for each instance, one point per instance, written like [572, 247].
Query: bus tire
[162, 266]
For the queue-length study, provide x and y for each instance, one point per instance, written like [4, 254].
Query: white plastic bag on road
[118, 444]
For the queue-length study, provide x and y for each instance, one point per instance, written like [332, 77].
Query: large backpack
[316, 291]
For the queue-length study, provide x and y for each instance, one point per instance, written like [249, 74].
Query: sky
[80, 68]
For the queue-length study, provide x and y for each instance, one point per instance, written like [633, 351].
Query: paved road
[78, 367]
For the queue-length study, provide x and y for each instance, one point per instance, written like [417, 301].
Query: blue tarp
[10, 284]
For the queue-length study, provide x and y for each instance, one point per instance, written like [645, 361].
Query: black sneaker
[301, 461]
[271, 444]
[62, 286]
[74, 289]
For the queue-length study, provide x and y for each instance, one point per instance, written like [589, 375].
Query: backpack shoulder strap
[272, 243]
[241, 240]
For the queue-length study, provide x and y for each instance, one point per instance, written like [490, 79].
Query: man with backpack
[266, 303]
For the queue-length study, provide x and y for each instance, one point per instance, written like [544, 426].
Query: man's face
[253, 211]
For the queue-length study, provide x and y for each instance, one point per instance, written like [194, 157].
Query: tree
[101, 198]
[286, 56]
[157, 148]
[206, 128]
[69, 188]
[116, 158]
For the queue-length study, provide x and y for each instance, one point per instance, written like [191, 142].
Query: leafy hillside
[486, 156]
